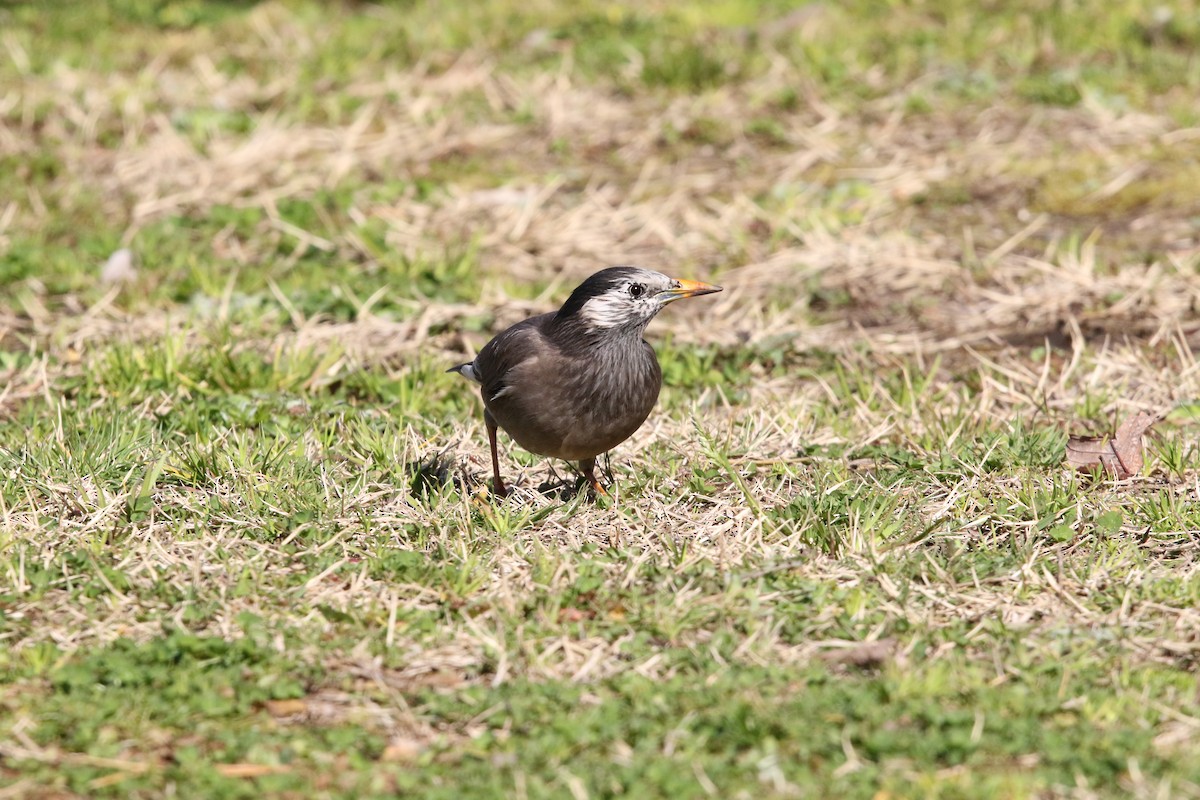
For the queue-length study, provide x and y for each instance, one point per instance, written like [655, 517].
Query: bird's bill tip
[688, 288]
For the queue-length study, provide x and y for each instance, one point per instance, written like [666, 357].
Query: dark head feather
[596, 285]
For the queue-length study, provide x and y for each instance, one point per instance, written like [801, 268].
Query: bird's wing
[510, 349]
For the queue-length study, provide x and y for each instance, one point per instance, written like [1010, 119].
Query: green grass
[757, 730]
[247, 546]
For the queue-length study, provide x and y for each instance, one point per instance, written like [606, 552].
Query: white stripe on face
[606, 311]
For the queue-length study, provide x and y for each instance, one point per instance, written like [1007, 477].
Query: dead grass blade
[250, 770]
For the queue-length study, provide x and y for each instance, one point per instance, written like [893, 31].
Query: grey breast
[571, 406]
[612, 397]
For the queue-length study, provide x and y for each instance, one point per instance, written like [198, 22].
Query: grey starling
[576, 382]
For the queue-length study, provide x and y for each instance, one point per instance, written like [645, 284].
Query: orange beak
[685, 288]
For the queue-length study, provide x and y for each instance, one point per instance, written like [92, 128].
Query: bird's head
[625, 299]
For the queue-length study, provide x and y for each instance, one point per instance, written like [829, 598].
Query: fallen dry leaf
[571, 614]
[286, 708]
[864, 655]
[1121, 456]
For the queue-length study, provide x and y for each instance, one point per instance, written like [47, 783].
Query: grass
[246, 542]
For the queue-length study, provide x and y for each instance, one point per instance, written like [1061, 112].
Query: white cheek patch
[606, 311]
[468, 371]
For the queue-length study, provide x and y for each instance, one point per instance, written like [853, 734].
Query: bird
[576, 382]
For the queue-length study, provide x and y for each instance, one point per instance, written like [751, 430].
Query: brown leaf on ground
[864, 655]
[572, 614]
[1121, 456]
[286, 708]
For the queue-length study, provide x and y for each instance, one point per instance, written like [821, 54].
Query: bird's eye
[636, 290]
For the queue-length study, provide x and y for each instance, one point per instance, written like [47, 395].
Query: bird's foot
[587, 468]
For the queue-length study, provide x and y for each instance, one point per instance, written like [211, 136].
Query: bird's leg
[588, 467]
[498, 481]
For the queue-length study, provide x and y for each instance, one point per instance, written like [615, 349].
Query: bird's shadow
[435, 473]
[440, 471]
[561, 488]
[571, 486]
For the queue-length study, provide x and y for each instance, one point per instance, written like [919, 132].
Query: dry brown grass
[704, 208]
[892, 287]
[634, 188]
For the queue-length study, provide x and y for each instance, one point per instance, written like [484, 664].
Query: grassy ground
[246, 547]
